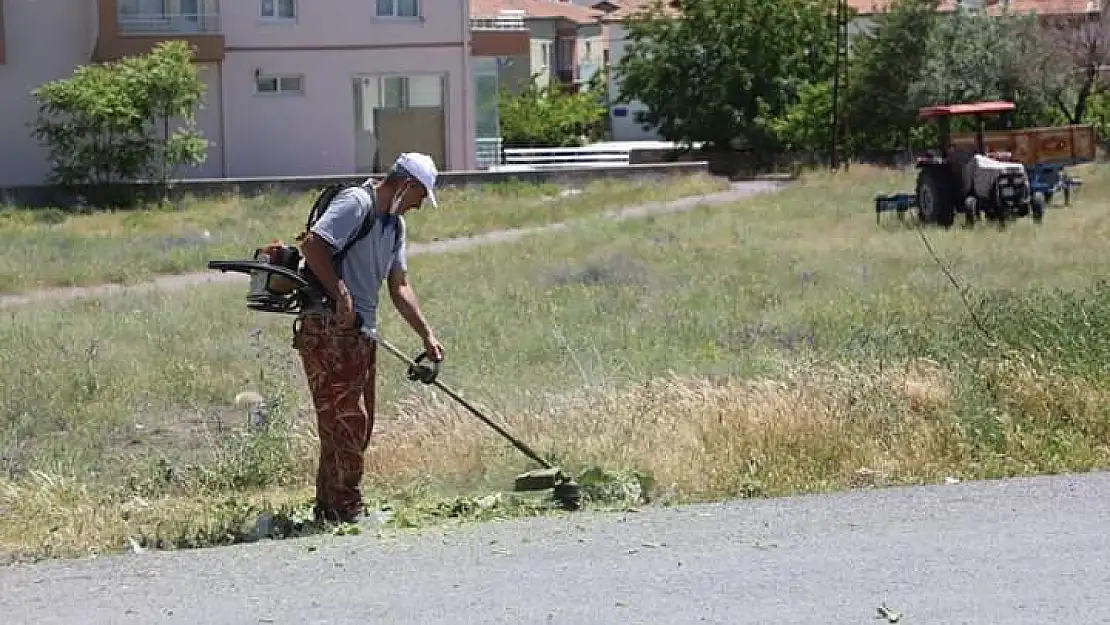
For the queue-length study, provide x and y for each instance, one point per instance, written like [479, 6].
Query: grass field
[46, 248]
[784, 344]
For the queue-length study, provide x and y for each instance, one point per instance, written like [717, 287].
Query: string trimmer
[282, 289]
[566, 491]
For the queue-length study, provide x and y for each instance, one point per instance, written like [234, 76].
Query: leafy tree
[90, 127]
[973, 56]
[1098, 114]
[1070, 57]
[724, 70]
[111, 123]
[884, 64]
[165, 85]
[550, 116]
[805, 127]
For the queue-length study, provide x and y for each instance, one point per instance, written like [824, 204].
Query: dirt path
[739, 190]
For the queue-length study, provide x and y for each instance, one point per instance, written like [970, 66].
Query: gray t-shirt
[369, 261]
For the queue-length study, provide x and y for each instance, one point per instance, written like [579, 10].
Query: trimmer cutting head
[565, 491]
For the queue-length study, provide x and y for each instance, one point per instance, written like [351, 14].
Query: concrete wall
[210, 121]
[330, 43]
[543, 33]
[44, 41]
[345, 24]
[314, 133]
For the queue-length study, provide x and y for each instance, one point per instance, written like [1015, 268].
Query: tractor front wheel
[1038, 203]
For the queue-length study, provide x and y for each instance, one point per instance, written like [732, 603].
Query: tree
[973, 56]
[724, 70]
[111, 123]
[1074, 50]
[805, 127]
[885, 63]
[550, 116]
[1098, 115]
[165, 85]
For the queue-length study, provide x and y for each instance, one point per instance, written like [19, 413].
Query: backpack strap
[366, 227]
[363, 230]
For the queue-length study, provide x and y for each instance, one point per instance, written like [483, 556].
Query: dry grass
[785, 344]
[45, 248]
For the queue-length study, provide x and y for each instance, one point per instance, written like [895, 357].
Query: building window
[278, 9]
[274, 85]
[398, 8]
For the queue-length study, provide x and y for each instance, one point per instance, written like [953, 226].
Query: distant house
[1045, 9]
[566, 45]
[295, 87]
[517, 43]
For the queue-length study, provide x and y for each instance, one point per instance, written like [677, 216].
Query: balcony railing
[168, 23]
[506, 20]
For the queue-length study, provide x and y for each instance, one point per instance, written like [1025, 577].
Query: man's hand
[344, 306]
[433, 348]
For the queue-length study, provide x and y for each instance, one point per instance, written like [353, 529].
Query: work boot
[323, 514]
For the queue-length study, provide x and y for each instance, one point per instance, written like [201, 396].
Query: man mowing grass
[339, 362]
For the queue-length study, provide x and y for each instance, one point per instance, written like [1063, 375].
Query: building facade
[295, 87]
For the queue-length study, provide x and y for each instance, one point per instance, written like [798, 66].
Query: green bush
[550, 117]
[111, 123]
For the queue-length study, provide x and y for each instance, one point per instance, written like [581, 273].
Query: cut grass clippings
[786, 344]
[44, 248]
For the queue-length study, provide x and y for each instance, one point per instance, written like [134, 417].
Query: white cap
[423, 168]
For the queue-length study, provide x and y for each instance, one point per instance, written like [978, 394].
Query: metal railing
[552, 158]
[506, 20]
[168, 23]
[488, 151]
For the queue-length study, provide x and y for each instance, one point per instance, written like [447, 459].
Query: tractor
[993, 174]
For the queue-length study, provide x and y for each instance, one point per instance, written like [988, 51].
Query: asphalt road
[1004, 552]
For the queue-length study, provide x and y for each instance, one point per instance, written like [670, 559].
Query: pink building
[295, 87]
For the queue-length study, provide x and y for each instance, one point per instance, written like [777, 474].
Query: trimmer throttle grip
[422, 372]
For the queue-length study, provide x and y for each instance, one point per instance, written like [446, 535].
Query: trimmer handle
[417, 372]
[423, 373]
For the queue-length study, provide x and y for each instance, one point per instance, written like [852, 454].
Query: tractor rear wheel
[934, 197]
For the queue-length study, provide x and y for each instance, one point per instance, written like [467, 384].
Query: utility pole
[840, 63]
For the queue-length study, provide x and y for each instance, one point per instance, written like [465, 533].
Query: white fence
[488, 151]
[553, 158]
[493, 156]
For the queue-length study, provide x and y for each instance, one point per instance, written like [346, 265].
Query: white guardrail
[551, 158]
[492, 156]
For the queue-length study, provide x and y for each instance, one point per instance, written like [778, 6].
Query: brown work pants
[340, 367]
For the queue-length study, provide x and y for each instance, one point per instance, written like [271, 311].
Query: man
[339, 362]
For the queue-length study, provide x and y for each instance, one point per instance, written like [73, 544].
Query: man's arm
[404, 300]
[318, 256]
[329, 234]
